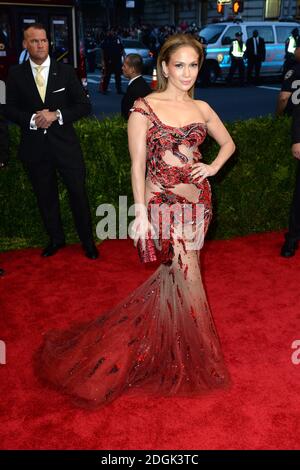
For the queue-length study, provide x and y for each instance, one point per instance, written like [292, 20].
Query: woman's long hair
[170, 46]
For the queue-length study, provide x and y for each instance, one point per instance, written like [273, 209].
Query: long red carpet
[255, 299]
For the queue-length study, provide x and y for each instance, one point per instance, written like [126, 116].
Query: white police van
[218, 37]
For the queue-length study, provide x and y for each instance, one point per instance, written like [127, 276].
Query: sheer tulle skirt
[161, 340]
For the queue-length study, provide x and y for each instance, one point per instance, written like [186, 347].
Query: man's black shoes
[91, 251]
[51, 249]
[288, 248]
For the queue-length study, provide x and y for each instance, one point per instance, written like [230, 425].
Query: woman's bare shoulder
[154, 96]
[204, 108]
[202, 105]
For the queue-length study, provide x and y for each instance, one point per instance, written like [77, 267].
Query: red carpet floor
[255, 299]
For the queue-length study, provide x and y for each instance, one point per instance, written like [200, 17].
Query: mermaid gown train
[161, 340]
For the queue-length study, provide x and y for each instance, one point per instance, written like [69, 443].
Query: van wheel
[212, 73]
[208, 74]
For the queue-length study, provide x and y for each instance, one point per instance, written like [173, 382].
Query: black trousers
[236, 63]
[253, 63]
[288, 63]
[108, 71]
[43, 177]
[294, 220]
[4, 140]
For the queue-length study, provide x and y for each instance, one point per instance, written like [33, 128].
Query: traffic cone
[154, 79]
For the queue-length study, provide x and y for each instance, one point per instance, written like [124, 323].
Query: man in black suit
[45, 97]
[3, 149]
[3, 139]
[137, 86]
[256, 54]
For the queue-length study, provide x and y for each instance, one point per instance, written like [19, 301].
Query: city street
[231, 103]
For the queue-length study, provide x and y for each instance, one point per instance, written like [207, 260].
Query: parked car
[219, 36]
[133, 46]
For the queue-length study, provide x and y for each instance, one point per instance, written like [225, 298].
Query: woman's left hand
[201, 171]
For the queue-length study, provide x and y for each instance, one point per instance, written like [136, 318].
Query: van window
[212, 32]
[229, 34]
[265, 32]
[283, 32]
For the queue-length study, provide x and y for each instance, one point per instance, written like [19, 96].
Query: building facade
[205, 11]
[111, 13]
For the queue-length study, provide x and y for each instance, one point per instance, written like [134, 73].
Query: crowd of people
[153, 37]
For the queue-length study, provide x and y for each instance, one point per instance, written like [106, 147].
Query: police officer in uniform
[289, 87]
[290, 47]
[237, 51]
[289, 103]
[292, 237]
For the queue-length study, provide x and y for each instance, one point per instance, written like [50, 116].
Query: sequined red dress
[160, 340]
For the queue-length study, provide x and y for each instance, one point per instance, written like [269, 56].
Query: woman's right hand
[141, 228]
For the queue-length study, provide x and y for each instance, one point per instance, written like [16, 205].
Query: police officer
[290, 46]
[237, 52]
[289, 87]
[292, 237]
[289, 103]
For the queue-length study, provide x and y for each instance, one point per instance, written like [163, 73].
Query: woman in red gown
[160, 340]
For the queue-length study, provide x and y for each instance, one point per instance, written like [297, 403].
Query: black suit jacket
[3, 137]
[64, 92]
[261, 49]
[139, 88]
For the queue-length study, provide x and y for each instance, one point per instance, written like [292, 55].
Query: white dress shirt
[45, 74]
